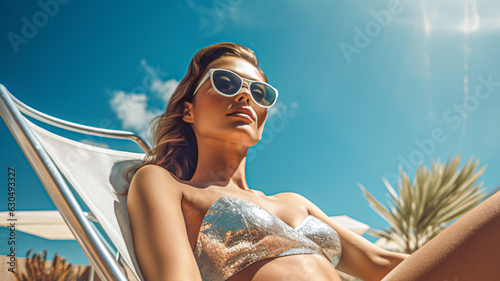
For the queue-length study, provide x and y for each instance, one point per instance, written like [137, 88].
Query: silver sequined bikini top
[236, 233]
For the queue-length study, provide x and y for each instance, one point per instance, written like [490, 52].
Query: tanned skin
[166, 213]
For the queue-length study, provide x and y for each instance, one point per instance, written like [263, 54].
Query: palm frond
[36, 269]
[421, 209]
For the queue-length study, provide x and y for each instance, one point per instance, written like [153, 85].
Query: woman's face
[209, 115]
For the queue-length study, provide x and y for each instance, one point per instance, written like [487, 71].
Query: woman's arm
[159, 233]
[360, 257]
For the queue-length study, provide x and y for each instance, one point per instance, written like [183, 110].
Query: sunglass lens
[226, 82]
[263, 94]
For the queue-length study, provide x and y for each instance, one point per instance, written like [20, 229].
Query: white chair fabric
[96, 174]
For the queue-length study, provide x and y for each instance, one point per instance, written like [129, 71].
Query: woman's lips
[244, 112]
[241, 115]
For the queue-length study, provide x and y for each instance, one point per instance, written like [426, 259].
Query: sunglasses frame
[249, 82]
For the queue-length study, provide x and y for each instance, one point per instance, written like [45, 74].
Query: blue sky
[364, 87]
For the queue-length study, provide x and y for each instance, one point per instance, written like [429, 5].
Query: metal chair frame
[101, 258]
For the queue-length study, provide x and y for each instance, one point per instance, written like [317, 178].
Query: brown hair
[173, 140]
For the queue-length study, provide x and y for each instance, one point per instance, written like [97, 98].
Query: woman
[194, 217]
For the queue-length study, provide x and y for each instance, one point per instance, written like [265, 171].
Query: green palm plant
[425, 207]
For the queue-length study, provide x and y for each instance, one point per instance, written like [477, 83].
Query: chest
[196, 208]
[236, 233]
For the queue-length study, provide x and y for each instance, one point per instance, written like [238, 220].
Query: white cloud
[132, 110]
[165, 89]
[152, 82]
[132, 107]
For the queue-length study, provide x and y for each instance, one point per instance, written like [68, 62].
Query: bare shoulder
[153, 181]
[149, 174]
[154, 171]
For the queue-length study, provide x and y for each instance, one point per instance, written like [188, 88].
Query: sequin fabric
[236, 233]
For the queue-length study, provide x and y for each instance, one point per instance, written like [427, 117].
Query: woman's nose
[244, 92]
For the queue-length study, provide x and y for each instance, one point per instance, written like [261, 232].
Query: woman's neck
[222, 163]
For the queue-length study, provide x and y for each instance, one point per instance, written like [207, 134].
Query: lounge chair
[93, 172]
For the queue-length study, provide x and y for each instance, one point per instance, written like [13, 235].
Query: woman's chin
[244, 136]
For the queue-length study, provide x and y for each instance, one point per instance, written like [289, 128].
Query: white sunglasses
[228, 84]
